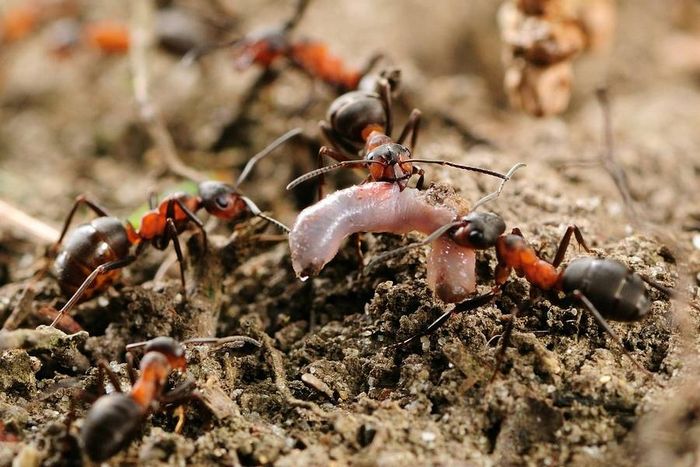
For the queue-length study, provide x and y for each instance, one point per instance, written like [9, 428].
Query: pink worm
[320, 229]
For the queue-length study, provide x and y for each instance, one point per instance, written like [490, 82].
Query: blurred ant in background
[114, 420]
[94, 252]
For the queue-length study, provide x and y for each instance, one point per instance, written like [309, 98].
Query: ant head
[391, 164]
[171, 349]
[479, 230]
[260, 48]
[221, 200]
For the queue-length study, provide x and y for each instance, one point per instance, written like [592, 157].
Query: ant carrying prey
[605, 287]
[115, 419]
[93, 253]
[360, 124]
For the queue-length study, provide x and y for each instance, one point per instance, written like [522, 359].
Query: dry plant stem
[274, 358]
[610, 162]
[142, 39]
[14, 217]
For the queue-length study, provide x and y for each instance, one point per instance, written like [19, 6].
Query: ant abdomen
[353, 112]
[110, 426]
[618, 293]
[90, 245]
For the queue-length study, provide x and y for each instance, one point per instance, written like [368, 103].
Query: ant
[114, 420]
[94, 252]
[359, 124]
[268, 46]
[605, 287]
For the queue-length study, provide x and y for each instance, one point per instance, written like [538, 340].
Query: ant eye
[222, 201]
[476, 236]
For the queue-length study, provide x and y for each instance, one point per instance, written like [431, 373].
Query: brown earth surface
[324, 390]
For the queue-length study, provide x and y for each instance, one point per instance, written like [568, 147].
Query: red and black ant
[605, 287]
[94, 252]
[114, 420]
[360, 124]
[271, 45]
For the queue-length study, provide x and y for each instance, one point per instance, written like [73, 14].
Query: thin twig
[610, 162]
[142, 41]
[19, 219]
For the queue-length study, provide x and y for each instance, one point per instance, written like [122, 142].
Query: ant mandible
[114, 420]
[360, 124]
[94, 252]
[605, 287]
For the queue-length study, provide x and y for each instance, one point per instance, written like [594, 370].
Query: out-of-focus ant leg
[564, 244]
[467, 305]
[104, 369]
[411, 127]
[130, 370]
[604, 324]
[98, 271]
[152, 200]
[196, 220]
[385, 95]
[81, 199]
[172, 235]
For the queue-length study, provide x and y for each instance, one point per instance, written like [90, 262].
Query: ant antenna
[196, 53]
[445, 228]
[497, 193]
[235, 341]
[461, 166]
[264, 153]
[255, 210]
[299, 10]
[328, 168]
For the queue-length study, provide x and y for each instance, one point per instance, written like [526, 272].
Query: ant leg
[661, 288]
[113, 378]
[333, 139]
[467, 305]
[152, 200]
[412, 126]
[197, 221]
[385, 95]
[503, 345]
[564, 244]
[130, 370]
[98, 271]
[596, 314]
[179, 393]
[357, 240]
[421, 177]
[172, 234]
[81, 199]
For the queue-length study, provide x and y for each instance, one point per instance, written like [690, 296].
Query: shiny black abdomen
[354, 111]
[618, 293]
[111, 425]
[102, 240]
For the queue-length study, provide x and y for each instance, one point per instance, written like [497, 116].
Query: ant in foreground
[115, 419]
[94, 252]
[605, 287]
[360, 124]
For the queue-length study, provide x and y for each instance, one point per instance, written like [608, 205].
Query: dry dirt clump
[326, 388]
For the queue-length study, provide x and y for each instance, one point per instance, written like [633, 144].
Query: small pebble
[428, 436]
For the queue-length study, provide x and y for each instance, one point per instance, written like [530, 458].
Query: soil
[324, 389]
